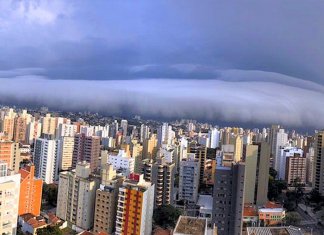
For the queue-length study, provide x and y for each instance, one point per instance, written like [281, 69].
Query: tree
[292, 218]
[166, 216]
[50, 193]
[315, 196]
[273, 173]
[49, 230]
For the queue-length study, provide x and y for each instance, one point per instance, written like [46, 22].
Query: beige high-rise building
[150, 147]
[10, 153]
[76, 196]
[257, 163]
[137, 154]
[237, 141]
[7, 124]
[318, 174]
[65, 152]
[48, 124]
[106, 200]
[9, 200]
[20, 129]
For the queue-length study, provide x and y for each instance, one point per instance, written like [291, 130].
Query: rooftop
[274, 231]
[190, 225]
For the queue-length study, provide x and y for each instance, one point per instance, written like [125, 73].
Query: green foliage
[292, 218]
[315, 197]
[50, 193]
[275, 186]
[273, 173]
[49, 230]
[166, 216]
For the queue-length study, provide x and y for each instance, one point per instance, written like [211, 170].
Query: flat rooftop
[190, 225]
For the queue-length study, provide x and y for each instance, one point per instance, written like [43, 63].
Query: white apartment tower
[46, 160]
[9, 200]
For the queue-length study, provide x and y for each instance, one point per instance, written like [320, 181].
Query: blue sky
[247, 61]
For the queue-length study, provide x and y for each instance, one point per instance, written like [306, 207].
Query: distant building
[122, 163]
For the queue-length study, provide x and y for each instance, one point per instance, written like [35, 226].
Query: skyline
[245, 62]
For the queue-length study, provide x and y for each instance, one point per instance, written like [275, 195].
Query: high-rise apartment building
[124, 125]
[30, 197]
[9, 199]
[122, 163]
[10, 153]
[20, 128]
[189, 179]
[86, 148]
[200, 152]
[228, 199]
[161, 174]
[295, 170]
[48, 124]
[76, 196]
[257, 164]
[65, 152]
[135, 207]
[46, 160]
[106, 200]
[33, 131]
[214, 137]
[7, 124]
[280, 141]
[318, 174]
[150, 147]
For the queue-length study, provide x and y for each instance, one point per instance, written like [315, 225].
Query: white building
[87, 130]
[205, 203]
[124, 125]
[46, 160]
[9, 200]
[66, 130]
[189, 179]
[281, 140]
[167, 152]
[214, 136]
[121, 162]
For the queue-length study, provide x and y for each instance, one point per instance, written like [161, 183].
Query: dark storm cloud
[269, 52]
